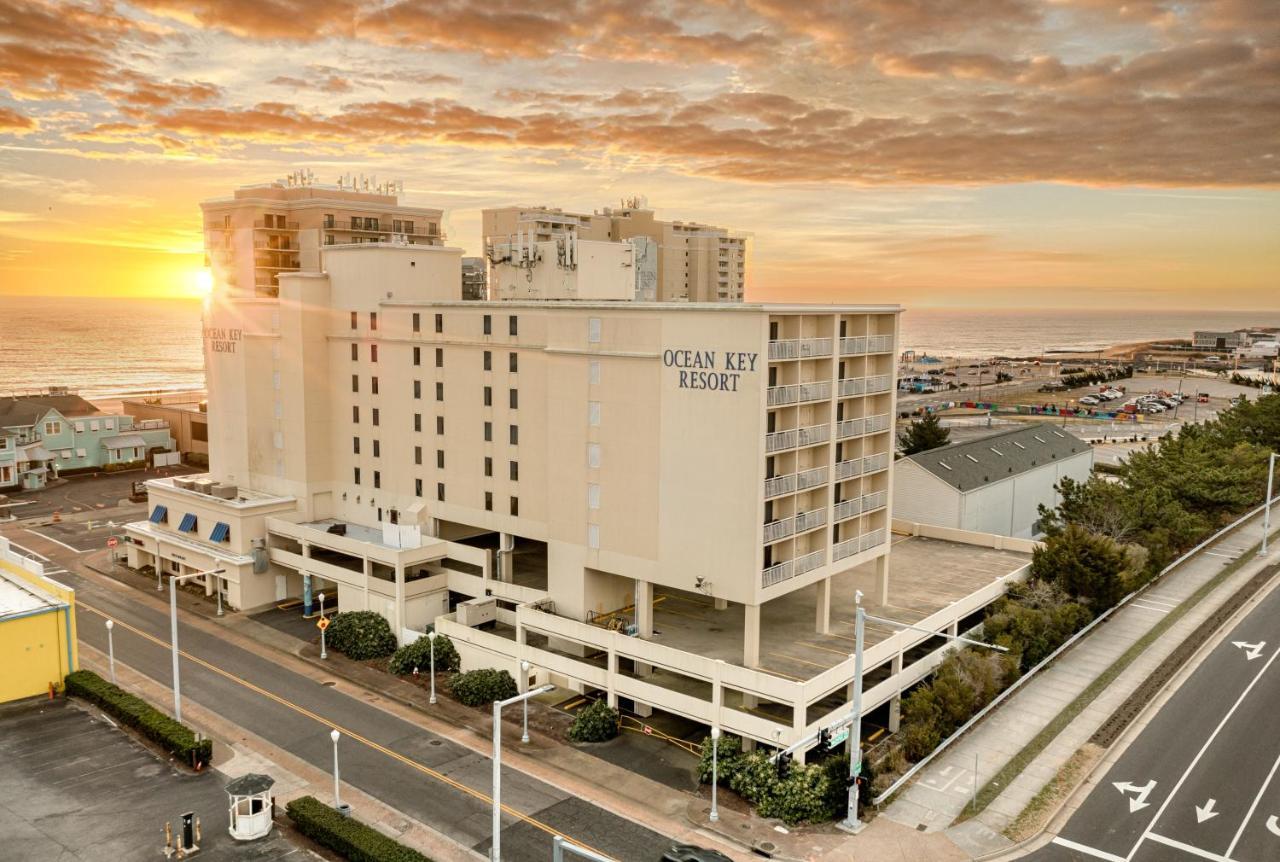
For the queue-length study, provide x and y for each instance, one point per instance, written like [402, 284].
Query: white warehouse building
[995, 484]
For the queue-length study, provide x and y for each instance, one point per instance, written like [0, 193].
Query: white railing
[811, 561]
[876, 423]
[777, 574]
[820, 391]
[846, 509]
[847, 469]
[879, 383]
[849, 428]
[784, 349]
[853, 346]
[871, 540]
[814, 434]
[811, 478]
[780, 440]
[847, 548]
[852, 386]
[809, 520]
[780, 395]
[872, 463]
[815, 347]
[779, 485]
[874, 500]
[778, 530]
[879, 344]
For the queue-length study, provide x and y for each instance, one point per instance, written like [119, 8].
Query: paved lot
[72, 787]
[86, 493]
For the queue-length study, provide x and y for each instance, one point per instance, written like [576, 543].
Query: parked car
[693, 853]
[1090, 400]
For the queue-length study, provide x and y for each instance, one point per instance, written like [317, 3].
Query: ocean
[108, 348]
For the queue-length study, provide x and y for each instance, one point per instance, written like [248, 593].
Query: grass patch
[1032, 818]
[1041, 740]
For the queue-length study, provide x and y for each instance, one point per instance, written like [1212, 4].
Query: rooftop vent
[224, 492]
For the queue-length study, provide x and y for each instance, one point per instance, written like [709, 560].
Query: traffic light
[824, 741]
[784, 765]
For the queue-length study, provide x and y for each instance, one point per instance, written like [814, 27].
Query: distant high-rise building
[265, 229]
[695, 262]
[475, 281]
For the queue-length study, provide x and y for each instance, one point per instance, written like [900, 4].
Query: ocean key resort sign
[222, 340]
[717, 370]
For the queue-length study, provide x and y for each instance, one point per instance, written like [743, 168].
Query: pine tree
[924, 434]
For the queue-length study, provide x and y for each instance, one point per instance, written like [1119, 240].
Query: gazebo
[250, 808]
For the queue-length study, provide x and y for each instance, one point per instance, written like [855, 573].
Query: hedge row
[178, 739]
[346, 836]
[417, 656]
[483, 686]
[597, 722]
[361, 635]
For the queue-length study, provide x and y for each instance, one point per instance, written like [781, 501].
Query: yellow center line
[426, 770]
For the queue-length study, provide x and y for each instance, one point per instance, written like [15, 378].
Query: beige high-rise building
[695, 262]
[267, 229]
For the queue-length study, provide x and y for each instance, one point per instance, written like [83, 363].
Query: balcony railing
[879, 343]
[776, 574]
[798, 393]
[857, 544]
[874, 500]
[879, 422]
[853, 346]
[873, 463]
[846, 509]
[261, 224]
[849, 428]
[852, 386]
[777, 485]
[848, 469]
[879, 383]
[809, 520]
[284, 245]
[811, 561]
[870, 540]
[779, 530]
[811, 478]
[780, 440]
[799, 348]
[814, 434]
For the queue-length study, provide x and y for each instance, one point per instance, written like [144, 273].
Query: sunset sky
[930, 152]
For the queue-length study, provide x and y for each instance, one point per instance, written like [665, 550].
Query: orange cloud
[13, 123]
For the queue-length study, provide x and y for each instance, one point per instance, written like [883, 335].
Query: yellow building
[37, 628]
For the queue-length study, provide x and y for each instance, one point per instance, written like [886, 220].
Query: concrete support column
[895, 713]
[644, 609]
[506, 550]
[822, 619]
[882, 580]
[717, 692]
[208, 584]
[722, 604]
[399, 609]
[368, 574]
[954, 628]
[611, 668]
[751, 636]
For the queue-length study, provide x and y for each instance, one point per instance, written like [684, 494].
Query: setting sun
[200, 283]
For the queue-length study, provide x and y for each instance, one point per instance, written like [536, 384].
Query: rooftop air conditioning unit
[185, 484]
[204, 486]
[225, 492]
[476, 612]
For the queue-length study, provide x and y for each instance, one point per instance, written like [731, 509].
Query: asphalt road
[439, 783]
[1200, 781]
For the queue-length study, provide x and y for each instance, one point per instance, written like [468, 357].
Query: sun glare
[201, 282]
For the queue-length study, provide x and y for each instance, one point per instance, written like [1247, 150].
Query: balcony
[855, 346]
[780, 441]
[850, 428]
[260, 224]
[874, 500]
[875, 463]
[857, 544]
[799, 393]
[813, 435]
[852, 386]
[777, 574]
[879, 344]
[778, 530]
[806, 521]
[811, 478]
[262, 244]
[809, 562]
[778, 485]
[879, 422]
[879, 383]
[846, 509]
[849, 469]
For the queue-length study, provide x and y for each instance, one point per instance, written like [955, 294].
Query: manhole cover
[767, 846]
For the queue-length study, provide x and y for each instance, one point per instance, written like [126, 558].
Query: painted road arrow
[1204, 812]
[1272, 825]
[1251, 650]
[1139, 801]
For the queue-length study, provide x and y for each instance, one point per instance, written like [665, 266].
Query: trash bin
[344, 809]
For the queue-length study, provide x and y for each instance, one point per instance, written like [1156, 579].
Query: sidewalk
[943, 789]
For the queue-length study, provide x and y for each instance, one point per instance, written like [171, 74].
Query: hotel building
[659, 503]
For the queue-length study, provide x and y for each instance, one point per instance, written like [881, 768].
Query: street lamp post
[111, 651]
[1266, 517]
[173, 633]
[431, 637]
[524, 680]
[323, 653]
[335, 736]
[715, 772]
[495, 847]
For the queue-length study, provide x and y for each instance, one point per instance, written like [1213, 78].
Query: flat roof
[628, 305]
[18, 598]
[244, 496]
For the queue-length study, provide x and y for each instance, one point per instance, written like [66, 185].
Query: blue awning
[188, 524]
[159, 514]
[221, 532]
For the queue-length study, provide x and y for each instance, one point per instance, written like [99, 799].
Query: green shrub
[347, 836]
[963, 683]
[361, 635]
[1033, 620]
[728, 755]
[595, 723]
[178, 739]
[418, 655]
[482, 687]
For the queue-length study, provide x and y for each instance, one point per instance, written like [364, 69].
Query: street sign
[322, 623]
[112, 542]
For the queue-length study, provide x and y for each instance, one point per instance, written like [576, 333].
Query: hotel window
[373, 351]
[373, 320]
[439, 323]
[593, 372]
[355, 352]
[377, 479]
[593, 454]
[357, 223]
[488, 501]
[513, 362]
[514, 435]
[355, 412]
[377, 449]
[593, 535]
[488, 467]
[593, 496]
[439, 391]
[488, 432]
[417, 455]
[513, 399]
[439, 357]
[439, 424]
[513, 325]
[417, 356]
[488, 361]
[417, 322]
[376, 416]
[439, 459]
[488, 396]
[515, 506]
[440, 491]
[417, 389]
[515, 471]
[51, 428]
[373, 385]
[488, 324]
[593, 330]
[417, 422]
[353, 320]
[593, 412]
[328, 220]
[79, 426]
[417, 487]
[355, 472]
[355, 445]
[408, 227]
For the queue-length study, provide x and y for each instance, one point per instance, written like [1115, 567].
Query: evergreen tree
[924, 434]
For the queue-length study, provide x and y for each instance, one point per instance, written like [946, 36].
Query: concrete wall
[38, 648]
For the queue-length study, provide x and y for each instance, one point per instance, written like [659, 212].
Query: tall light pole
[323, 653]
[173, 632]
[335, 736]
[495, 848]
[111, 651]
[1266, 517]
[431, 637]
[715, 771]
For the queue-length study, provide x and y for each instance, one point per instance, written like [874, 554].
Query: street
[1199, 781]
[438, 782]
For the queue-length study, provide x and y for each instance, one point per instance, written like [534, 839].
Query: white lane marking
[1084, 848]
[1187, 848]
[1216, 554]
[1144, 607]
[1273, 825]
[1155, 601]
[1139, 801]
[1199, 754]
[1205, 812]
[1251, 650]
[55, 541]
[1254, 807]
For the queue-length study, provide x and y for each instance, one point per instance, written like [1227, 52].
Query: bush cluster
[597, 722]
[418, 655]
[1093, 378]
[483, 686]
[121, 466]
[177, 739]
[347, 836]
[361, 635]
[1033, 620]
[966, 681]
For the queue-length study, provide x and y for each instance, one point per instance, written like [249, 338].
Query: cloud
[13, 123]
[330, 84]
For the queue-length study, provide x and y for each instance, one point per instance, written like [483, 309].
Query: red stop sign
[112, 542]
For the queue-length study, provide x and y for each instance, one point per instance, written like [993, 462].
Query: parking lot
[80, 494]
